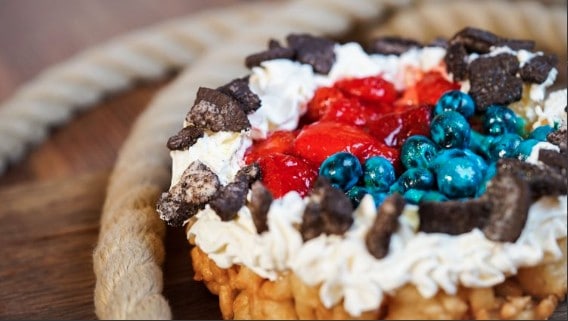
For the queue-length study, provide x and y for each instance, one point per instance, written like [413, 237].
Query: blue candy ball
[525, 148]
[342, 169]
[418, 178]
[459, 178]
[418, 151]
[450, 130]
[477, 160]
[541, 132]
[480, 143]
[499, 120]
[433, 196]
[504, 146]
[379, 173]
[444, 156]
[356, 194]
[489, 174]
[455, 100]
[413, 196]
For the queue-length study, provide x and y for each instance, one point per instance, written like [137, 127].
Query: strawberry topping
[284, 173]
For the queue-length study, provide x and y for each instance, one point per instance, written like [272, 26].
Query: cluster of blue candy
[456, 162]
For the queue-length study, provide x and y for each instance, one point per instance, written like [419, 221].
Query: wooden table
[50, 202]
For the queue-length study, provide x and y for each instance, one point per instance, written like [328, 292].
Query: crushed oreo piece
[259, 206]
[248, 174]
[217, 111]
[315, 51]
[197, 186]
[329, 211]
[510, 197]
[475, 40]
[385, 224]
[392, 45]
[275, 51]
[493, 81]
[239, 89]
[453, 217]
[230, 199]
[516, 44]
[554, 159]
[439, 42]
[560, 139]
[185, 138]
[536, 70]
[456, 61]
[542, 180]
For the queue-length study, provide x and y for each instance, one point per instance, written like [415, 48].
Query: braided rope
[83, 80]
[139, 175]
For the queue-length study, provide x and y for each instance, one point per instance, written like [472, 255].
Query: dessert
[402, 180]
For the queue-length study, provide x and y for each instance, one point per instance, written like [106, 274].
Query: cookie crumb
[385, 224]
[315, 51]
[537, 69]
[493, 81]
[216, 111]
[240, 91]
[185, 138]
[275, 51]
[259, 205]
[392, 45]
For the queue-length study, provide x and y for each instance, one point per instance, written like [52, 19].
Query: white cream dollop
[222, 152]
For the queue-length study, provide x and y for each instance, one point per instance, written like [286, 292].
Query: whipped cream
[342, 265]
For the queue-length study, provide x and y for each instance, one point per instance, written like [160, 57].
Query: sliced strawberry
[371, 89]
[276, 142]
[432, 86]
[394, 128]
[319, 140]
[320, 102]
[348, 111]
[284, 173]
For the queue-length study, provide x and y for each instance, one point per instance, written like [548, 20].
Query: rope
[57, 93]
[142, 170]
[130, 251]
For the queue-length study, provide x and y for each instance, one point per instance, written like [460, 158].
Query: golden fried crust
[533, 294]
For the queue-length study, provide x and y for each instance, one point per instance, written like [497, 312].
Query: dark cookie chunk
[230, 199]
[329, 211]
[185, 138]
[174, 211]
[542, 180]
[259, 206]
[510, 198]
[559, 138]
[439, 42]
[516, 44]
[475, 40]
[456, 61]
[453, 217]
[385, 224]
[239, 89]
[554, 159]
[248, 174]
[392, 45]
[216, 111]
[536, 70]
[315, 51]
[197, 185]
[275, 51]
[493, 81]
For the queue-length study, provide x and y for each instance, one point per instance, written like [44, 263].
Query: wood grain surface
[50, 202]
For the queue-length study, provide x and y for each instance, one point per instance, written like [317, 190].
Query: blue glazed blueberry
[504, 146]
[433, 196]
[459, 178]
[489, 174]
[480, 144]
[444, 156]
[342, 169]
[477, 160]
[541, 132]
[413, 196]
[356, 194]
[378, 197]
[450, 130]
[418, 178]
[525, 148]
[455, 100]
[379, 173]
[499, 120]
[418, 151]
